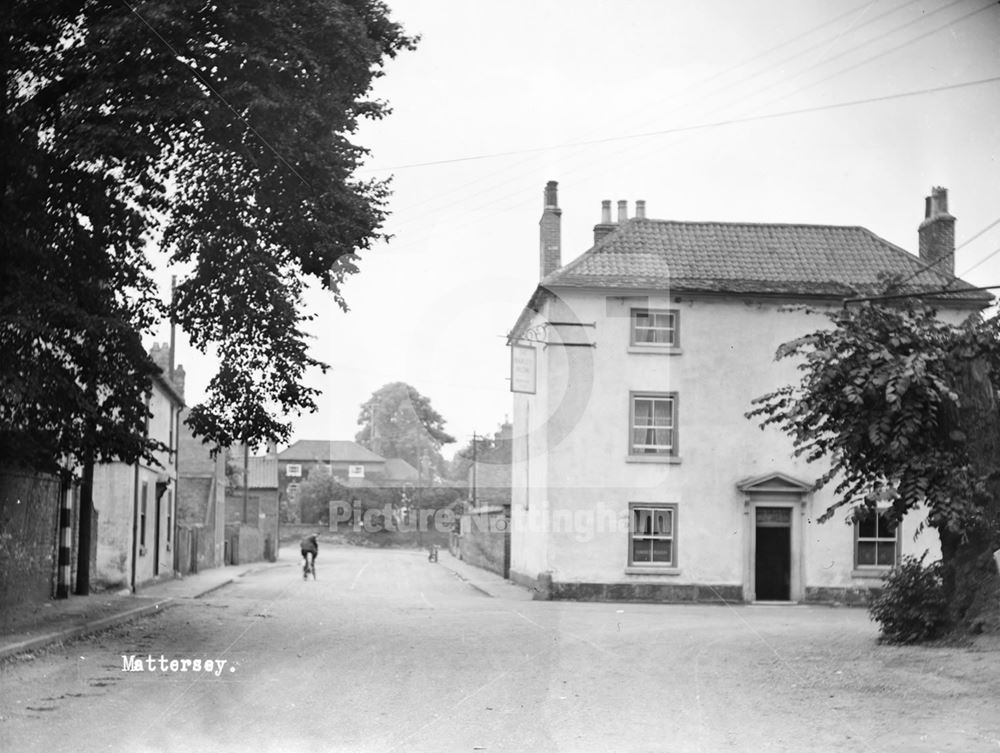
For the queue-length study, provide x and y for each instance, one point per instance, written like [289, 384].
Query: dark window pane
[663, 551]
[886, 527]
[886, 553]
[867, 528]
[642, 551]
[866, 553]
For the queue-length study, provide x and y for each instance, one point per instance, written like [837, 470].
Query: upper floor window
[653, 424]
[655, 327]
[876, 541]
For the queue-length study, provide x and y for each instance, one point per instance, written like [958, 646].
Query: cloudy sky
[798, 111]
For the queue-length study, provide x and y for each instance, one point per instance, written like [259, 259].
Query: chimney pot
[551, 194]
[606, 226]
[622, 211]
[640, 209]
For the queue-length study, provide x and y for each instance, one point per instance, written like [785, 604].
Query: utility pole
[475, 468]
[246, 479]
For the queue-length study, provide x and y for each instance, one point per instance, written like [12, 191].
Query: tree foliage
[219, 131]
[902, 406]
[879, 398]
[398, 422]
[316, 493]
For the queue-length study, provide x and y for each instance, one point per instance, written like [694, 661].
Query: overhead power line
[694, 127]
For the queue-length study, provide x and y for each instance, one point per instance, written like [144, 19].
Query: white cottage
[636, 474]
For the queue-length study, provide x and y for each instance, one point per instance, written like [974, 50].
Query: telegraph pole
[475, 468]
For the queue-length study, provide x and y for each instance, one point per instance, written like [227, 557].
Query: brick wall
[484, 539]
[29, 519]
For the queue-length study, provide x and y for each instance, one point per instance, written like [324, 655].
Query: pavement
[25, 628]
[32, 627]
[489, 583]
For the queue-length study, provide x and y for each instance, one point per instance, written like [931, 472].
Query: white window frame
[879, 541]
[653, 450]
[673, 328]
[633, 536]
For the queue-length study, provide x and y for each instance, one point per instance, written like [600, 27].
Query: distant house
[341, 458]
[135, 504]
[398, 470]
[636, 474]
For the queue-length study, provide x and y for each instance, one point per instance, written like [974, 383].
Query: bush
[912, 607]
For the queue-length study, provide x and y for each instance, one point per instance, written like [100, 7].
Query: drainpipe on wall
[135, 526]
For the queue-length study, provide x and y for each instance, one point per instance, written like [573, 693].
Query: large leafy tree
[901, 404]
[218, 132]
[398, 422]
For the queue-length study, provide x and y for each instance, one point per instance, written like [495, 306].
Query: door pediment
[774, 483]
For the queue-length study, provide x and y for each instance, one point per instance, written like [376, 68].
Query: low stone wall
[663, 593]
[851, 597]
[484, 539]
[244, 544]
[350, 535]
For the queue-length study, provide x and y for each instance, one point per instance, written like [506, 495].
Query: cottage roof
[748, 258]
[397, 469]
[329, 451]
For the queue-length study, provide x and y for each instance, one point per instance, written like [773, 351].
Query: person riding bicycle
[310, 545]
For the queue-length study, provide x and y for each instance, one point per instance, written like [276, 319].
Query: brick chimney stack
[550, 251]
[937, 232]
[160, 355]
[606, 225]
[180, 376]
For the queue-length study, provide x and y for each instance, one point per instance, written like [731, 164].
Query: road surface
[386, 651]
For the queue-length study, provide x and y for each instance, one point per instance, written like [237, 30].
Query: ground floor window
[653, 534]
[876, 541]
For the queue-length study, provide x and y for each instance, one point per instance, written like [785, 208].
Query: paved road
[388, 652]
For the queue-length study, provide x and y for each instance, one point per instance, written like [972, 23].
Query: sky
[787, 111]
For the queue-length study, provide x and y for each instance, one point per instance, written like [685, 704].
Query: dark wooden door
[773, 556]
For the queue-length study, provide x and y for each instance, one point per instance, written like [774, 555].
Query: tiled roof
[397, 469]
[329, 451]
[746, 258]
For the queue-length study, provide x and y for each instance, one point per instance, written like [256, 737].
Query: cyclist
[309, 545]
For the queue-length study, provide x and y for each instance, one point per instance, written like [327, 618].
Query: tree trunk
[86, 522]
[970, 570]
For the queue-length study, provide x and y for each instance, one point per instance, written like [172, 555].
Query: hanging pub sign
[522, 369]
[355, 471]
[293, 470]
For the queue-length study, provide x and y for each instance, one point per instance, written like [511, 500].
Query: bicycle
[309, 566]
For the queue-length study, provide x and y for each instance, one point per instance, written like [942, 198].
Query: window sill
[660, 459]
[875, 573]
[662, 350]
[651, 570]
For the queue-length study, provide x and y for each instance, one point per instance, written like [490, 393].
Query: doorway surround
[765, 502]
